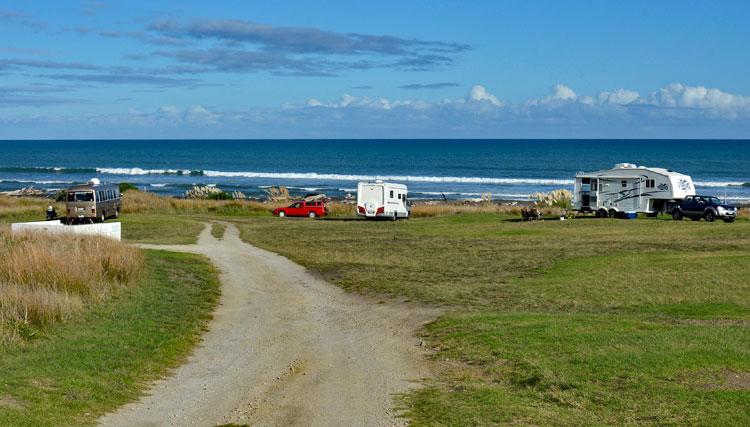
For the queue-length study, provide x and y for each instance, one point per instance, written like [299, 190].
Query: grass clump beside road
[218, 229]
[45, 278]
[576, 323]
[104, 356]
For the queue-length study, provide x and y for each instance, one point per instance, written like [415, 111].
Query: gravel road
[286, 348]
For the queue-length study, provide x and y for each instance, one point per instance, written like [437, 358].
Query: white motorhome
[382, 200]
[628, 189]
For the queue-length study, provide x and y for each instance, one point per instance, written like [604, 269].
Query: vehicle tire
[117, 213]
[602, 213]
[710, 216]
[102, 217]
[395, 216]
[612, 213]
[677, 215]
[282, 214]
[312, 214]
[728, 220]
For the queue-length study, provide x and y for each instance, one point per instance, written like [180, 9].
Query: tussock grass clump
[44, 278]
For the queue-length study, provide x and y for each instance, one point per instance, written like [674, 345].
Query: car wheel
[312, 214]
[710, 216]
[282, 214]
[677, 215]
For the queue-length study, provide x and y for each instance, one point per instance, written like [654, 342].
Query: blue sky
[342, 69]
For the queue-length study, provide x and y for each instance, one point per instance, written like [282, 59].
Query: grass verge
[103, 358]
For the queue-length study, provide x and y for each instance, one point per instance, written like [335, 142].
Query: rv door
[585, 192]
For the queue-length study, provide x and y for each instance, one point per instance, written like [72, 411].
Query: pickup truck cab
[709, 208]
[310, 209]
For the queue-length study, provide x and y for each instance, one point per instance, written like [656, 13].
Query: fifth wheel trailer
[628, 188]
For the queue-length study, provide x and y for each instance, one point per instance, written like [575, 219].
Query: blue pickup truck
[709, 208]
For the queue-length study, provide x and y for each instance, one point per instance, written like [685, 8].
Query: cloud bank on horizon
[173, 77]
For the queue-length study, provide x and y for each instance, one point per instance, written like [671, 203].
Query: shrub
[126, 186]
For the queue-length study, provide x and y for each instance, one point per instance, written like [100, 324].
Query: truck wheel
[677, 215]
[612, 213]
[602, 213]
[710, 216]
[282, 214]
[312, 214]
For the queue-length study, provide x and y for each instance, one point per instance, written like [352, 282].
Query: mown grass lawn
[97, 361]
[569, 323]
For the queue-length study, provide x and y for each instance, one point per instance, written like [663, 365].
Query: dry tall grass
[12, 208]
[44, 278]
[143, 202]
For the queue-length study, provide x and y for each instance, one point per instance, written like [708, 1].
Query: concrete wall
[112, 230]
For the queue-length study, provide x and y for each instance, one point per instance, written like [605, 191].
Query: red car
[312, 209]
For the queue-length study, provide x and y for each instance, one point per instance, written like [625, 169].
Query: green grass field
[102, 358]
[568, 323]
[160, 229]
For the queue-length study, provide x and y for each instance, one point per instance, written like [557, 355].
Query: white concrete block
[113, 230]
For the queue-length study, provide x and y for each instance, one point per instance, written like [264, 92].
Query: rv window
[594, 184]
[652, 183]
[391, 194]
[398, 196]
[624, 183]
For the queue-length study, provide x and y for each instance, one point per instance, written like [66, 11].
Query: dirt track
[285, 348]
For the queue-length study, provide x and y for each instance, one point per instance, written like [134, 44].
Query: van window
[81, 196]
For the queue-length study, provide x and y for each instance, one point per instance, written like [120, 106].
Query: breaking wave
[334, 176]
[47, 169]
[721, 184]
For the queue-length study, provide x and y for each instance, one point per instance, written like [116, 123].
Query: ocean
[433, 169]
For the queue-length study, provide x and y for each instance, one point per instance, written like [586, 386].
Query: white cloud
[698, 97]
[619, 97]
[479, 94]
[563, 93]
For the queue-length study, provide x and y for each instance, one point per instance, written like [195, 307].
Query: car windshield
[81, 196]
[713, 200]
